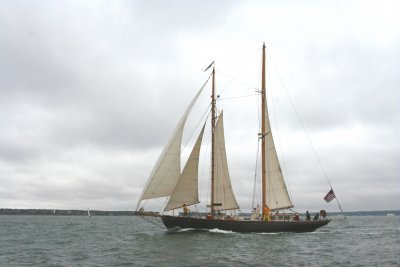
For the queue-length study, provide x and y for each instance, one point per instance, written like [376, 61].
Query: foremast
[213, 117]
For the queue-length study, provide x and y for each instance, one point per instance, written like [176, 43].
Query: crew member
[266, 215]
[322, 214]
[185, 210]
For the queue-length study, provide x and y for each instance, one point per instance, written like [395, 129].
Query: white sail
[277, 193]
[223, 192]
[166, 172]
[186, 189]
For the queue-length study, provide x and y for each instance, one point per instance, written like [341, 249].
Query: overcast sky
[91, 90]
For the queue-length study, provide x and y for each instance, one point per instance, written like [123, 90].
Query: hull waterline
[243, 226]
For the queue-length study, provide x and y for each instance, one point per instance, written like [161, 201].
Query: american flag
[330, 196]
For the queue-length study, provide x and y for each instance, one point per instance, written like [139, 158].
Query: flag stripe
[330, 196]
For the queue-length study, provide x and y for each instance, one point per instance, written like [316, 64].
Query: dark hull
[243, 226]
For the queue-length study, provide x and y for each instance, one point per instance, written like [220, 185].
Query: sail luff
[223, 192]
[274, 191]
[186, 189]
[277, 194]
[166, 171]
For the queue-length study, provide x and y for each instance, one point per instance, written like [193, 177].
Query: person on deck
[185, 210]
[255, 215]
[266, 215]
[258, 212]
[308, 217]
[322, 214]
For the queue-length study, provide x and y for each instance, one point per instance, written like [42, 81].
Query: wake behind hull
[243, 226]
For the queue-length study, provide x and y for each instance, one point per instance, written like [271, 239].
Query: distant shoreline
[57, 212]
[74, 212]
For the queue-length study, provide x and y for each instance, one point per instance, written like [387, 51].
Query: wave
[218, 231]
[279, 233]
[181, 230]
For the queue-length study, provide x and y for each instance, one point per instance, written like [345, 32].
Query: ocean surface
[133, 241]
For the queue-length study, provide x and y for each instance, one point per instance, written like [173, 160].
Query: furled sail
[166, 172]
[223, 192]
[277, 193]
[186, 189]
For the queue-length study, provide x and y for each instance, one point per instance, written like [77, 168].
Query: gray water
[132, 241]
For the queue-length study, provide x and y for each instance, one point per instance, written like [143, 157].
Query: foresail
[223, 192]
[186, 189]
[167, 170]
[277, 193]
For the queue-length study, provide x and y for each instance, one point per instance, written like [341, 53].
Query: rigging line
[226, 185]
[203, 167]
[234, 97]
[255, 175]
[197, 125]
[166, 200]
[259, 103]
[304, 128]
[239, 72]
[256, 193]
[233, 79]
[340, 207]
[207, 158]
[216, 166]
[301, 122]
[220, 169]
[144, 203]
[273, 107]
[160, 200]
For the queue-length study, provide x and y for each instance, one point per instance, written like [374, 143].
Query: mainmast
[263, 134]
[213, 103]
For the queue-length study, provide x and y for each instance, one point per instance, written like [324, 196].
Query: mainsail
[186, 189]
[223, 192]
[167, 170]
[277, 193]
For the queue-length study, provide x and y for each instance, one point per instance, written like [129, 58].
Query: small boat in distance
[181, 187]
[390, 214]
[88, 213]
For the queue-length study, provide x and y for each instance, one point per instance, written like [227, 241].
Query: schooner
[181, 187]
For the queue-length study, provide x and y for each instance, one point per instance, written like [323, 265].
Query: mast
[263, 134]
[212, 141]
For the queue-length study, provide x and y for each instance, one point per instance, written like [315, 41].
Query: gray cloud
[89, 93]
